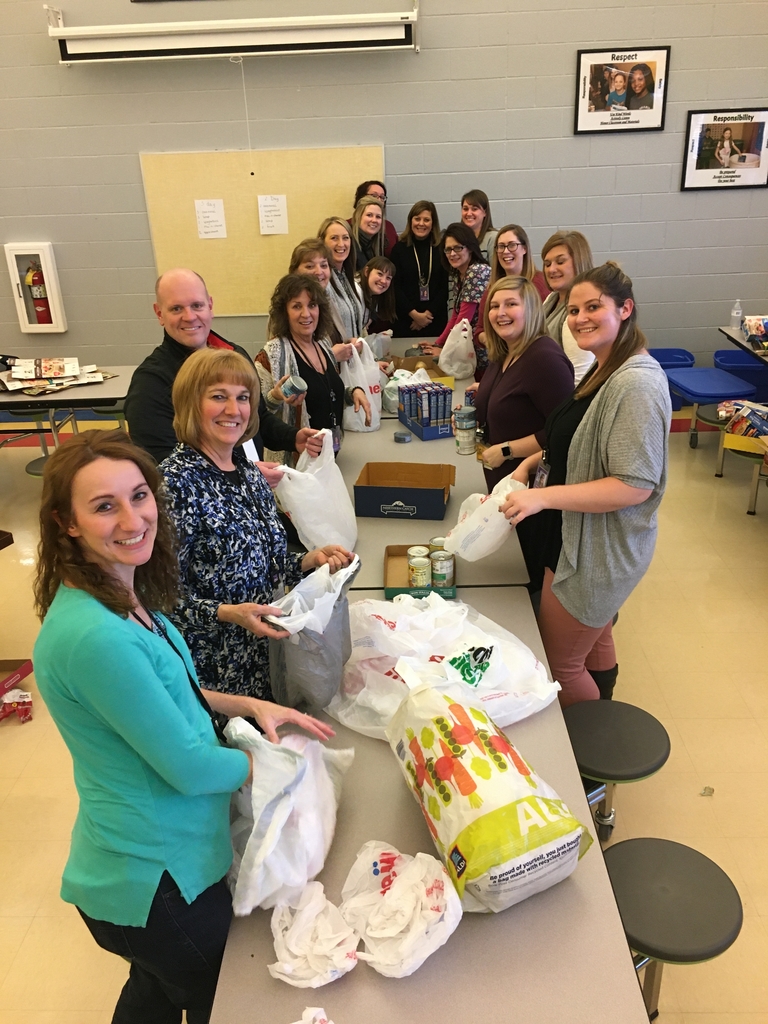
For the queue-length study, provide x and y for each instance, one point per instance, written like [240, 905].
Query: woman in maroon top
[529, 375]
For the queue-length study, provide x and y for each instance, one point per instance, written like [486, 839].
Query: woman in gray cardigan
[600, 478]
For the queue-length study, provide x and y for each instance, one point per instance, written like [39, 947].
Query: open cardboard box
[430, 364]
[396, 575]
[403, 490]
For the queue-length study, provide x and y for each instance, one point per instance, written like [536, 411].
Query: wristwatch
[506, 451]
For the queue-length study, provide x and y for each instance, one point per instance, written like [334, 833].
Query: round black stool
[613, 743]
[677, 907]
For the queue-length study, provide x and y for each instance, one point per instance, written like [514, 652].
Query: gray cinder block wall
[488, 103]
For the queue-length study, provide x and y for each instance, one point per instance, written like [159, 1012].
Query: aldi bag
[482, 527]
[458, 357]
[501, 831]
[362, 371]
[317, 501]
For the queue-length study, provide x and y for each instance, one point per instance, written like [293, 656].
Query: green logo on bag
[472, 664]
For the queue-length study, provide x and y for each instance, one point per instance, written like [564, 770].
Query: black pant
[175, 959]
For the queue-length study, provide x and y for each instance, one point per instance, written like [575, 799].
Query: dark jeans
[175, 959]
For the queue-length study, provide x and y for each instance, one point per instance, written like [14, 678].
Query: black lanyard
[158, 628]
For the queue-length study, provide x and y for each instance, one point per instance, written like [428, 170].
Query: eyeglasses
[375, 195]
[503, 246]
[451, 250]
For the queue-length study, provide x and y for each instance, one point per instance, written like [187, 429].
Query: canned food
[293, 386]
[469, 398]
[419, 572]
[436, 544]
[443, 569]
[466, 423]
[418, 551]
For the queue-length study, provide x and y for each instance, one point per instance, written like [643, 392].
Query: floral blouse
[471, 289]
[232, 550]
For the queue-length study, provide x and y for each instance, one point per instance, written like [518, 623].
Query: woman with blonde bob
[527, 377]
[151, 843]
[602, 474]
[565, 255]
[232, 547]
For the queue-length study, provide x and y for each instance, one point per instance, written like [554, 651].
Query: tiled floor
[693, 650]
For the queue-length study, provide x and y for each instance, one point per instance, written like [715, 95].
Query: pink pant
[573, 648]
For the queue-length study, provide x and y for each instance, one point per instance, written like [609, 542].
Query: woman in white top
[726, 148]
[476, 214]
[342, 291]
[565, 255]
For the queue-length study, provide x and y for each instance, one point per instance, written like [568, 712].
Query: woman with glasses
[476, 214]
[512, 258]
[565, 254]
[379, 190]
[468, 276]
[421, 282]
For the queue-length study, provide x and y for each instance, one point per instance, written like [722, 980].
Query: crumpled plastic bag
[502, 832]
[362, 371]
[482, 528]
[397, 380]
[313, 1015]
[458, 357]
[310, 604]
[313, 943]
[316, 498]
[283, 824]
[403, 908]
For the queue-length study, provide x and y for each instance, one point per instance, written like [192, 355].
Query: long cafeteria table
[558, 956]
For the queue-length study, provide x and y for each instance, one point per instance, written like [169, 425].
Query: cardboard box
[396, 575]
[425, 433]
[403, 490]
[430, 364]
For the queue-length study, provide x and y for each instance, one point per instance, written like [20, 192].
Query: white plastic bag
[310, 603]
[379, 343]
[313, 1015]
[407, 625]
[362, 371]
[403, 908]
[313, 943]
[482, 528]
[316, 498]
[502, 832]
[458, 357]
[398, 378]
[283, 823]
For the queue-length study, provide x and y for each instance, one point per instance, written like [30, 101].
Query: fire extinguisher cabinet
[35, 287]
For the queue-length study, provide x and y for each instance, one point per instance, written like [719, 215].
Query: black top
[406, 285]
[365, 249]
[325, 393]
[149, 409]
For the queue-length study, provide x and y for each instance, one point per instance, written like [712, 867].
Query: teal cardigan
[153, 781]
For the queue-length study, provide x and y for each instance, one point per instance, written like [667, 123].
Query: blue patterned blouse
[232, 550]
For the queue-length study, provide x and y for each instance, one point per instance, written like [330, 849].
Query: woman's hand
[272, 472]
[472, 388]
[333, 555]
[271, 716]
[492, 457]
[521, 504]
[310, 439]
[343, 351]
[360, 401]
[420, 320]
[430, 350]
[249, 616]
[276, 396]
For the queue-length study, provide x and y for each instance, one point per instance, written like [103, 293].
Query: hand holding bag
[362, 371]
[458, 357]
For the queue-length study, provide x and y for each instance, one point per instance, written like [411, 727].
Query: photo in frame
[621, 89]
[726, 149]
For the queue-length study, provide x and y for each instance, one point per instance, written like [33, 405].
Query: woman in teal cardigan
[150, 846]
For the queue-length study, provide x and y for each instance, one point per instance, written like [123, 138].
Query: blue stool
[702, 386]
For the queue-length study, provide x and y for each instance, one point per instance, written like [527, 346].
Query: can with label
[419, 572]
[418, 551]
[443, 572]
[293, 386]
[469, 398]
[466, 422]
[436, 544]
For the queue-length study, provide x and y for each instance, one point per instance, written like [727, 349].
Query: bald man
[185, 311]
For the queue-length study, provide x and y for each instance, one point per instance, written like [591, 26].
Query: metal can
[465, 430]
[419, 572]
[418, 551]
[294, 386]
[469, 398]
[436, 544]
[443, 569]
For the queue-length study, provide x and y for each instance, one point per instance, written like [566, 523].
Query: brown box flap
[396, 565]
[408, 474]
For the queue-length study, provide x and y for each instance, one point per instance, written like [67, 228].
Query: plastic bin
[743, 365]
[673, 359]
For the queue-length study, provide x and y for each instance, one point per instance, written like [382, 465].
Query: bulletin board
[242, 269]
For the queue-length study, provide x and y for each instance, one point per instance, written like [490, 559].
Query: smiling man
[185, 311]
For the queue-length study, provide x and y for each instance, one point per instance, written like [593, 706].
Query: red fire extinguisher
[36, 284]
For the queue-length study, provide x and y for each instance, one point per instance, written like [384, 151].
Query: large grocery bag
[502, 832]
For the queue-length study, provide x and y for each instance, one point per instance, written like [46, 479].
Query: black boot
[606, 680]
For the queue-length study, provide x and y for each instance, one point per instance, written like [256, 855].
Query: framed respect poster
[621, 90]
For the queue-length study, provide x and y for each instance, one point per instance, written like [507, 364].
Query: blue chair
[673, 359]
[703, 386]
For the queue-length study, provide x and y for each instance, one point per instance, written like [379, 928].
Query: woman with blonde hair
[343, 292]
[367, 227]
[232, 546]
[565, 255]
[512, 258]
[601, 475]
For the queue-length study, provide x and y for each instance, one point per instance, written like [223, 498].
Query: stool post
[605, 815]
[693, 431]
[651, 987]
[752, 509]
[720, 454]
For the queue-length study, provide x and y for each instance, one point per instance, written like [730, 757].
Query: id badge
[336, 435]
[542, 475]
[424, 293]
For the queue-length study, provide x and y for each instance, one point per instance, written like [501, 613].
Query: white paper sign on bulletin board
[273, 215]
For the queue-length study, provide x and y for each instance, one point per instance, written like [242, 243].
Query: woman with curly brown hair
[151, 843]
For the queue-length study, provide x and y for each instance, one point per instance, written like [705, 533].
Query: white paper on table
[273, 215]
[210, 218]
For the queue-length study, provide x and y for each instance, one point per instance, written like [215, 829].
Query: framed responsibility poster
[621, 90]
[726, 149]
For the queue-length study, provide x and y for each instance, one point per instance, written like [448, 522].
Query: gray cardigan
[624, 434]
